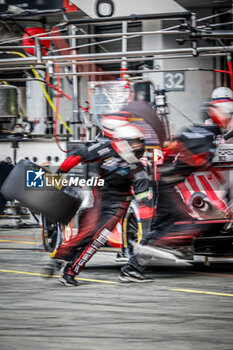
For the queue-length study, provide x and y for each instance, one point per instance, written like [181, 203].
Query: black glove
[59, 171]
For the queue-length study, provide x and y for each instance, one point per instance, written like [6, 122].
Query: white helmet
[109, 122]
[221, 107]
[128, 132]
[129, 143]
[222, 93]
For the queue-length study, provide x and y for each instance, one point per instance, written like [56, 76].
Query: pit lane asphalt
[185, 308]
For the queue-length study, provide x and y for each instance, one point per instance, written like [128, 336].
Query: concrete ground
[185, 308]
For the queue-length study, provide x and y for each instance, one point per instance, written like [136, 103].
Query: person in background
[220, 111]
[220, 114]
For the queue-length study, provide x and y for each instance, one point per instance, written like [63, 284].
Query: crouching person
[121, 171]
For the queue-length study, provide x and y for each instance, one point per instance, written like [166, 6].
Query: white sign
[224, 153]
[116, 8]
[174, 81]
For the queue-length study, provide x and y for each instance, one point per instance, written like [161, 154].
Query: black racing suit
[194, 152]
[111, 201]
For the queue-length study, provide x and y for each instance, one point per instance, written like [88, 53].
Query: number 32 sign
[174, 81]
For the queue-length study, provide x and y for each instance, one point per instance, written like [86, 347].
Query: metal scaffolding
[190, 28]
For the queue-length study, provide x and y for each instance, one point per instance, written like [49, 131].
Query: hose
[57, 109]
[229, 63]
[45, 93]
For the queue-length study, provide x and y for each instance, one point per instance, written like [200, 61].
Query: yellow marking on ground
[57, 276]
[22, 242]
[202, 292]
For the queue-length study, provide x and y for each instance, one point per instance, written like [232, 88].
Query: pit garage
[63, 65]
